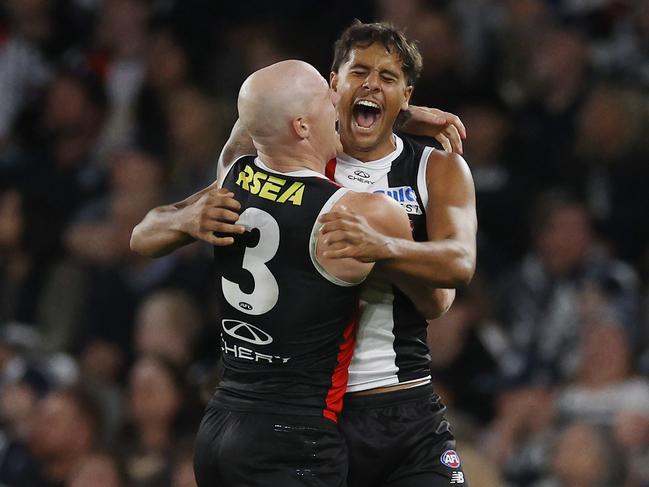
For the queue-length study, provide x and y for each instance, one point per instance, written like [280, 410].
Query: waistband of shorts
[389, 398]
[280, 418]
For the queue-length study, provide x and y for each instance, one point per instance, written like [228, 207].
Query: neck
[288, 161]
[366, 154]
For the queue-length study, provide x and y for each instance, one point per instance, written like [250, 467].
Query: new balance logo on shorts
[457, 478]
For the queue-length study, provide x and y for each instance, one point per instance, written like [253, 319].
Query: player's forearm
[431, 302]
[160, 232]
[440, 264]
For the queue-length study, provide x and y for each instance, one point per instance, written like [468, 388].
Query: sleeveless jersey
[287, 327]
[391, 338]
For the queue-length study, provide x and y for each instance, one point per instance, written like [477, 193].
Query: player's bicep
[450, 212]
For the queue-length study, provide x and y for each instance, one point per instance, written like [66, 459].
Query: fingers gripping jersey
[391, 339]
[287, 329]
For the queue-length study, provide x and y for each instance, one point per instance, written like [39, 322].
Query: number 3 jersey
[391, 338]
[287, 326]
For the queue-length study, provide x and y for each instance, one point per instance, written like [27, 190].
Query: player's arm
[197, 217]
[238, 144]
[446, 261]
[445, 127]
[385, 219]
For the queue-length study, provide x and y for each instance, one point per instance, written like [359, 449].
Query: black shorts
[251, 449]
[400, 439]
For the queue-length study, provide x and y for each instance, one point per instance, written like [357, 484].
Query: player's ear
[407, 94]
[333, 80]
[300, 127]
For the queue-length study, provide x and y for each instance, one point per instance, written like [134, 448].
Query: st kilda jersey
[391, 338]
[287, 326]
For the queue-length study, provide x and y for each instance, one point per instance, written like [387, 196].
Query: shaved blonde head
[273, 97]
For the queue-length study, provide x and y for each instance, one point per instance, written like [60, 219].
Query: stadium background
[108, 108]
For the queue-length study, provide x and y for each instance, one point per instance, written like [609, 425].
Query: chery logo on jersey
[246, 332]
[251, 334]
[450, 458]
[405, 196]
[360, 176]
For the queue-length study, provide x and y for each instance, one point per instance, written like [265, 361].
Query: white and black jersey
[391, 338]
[287, 326]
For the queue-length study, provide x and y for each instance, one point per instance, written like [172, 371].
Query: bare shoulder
[447, 163]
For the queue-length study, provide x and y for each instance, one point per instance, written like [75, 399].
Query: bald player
[288, 315]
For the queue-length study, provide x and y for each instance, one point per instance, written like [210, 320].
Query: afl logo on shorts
[246, 332]
[450, 458]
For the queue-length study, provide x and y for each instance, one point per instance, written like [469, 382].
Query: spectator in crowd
[97, 470]
[167, 324]
[540, 301]
[584, 457]
[65, 429]
[157, 404]
[604, 387]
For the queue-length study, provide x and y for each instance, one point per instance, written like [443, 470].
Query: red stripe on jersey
[338, 387]
[330, 169]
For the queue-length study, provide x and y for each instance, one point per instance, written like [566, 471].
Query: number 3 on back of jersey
[265, 291]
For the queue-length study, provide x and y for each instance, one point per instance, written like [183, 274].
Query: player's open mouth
[366, 114]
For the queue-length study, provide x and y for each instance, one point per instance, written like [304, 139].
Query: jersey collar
[384, 162]
[301, 173]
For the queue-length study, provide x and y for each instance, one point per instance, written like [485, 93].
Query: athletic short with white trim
[400, 439]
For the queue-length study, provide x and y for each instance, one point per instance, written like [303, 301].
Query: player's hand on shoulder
[445, 127]
[215, 211]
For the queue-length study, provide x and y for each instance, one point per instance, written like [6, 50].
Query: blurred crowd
[111, 107]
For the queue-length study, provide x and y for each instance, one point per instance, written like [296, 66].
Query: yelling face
[373, 90]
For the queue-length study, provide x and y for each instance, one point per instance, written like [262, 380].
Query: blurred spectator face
[604, 124]
[95, 471]
[580, 456]
[154, 396]
[605, 356]
[17, 404]
[102, 361]
[565, 239]
[399, 13]
[560, 58]
[11, 223]
[72, 118]
[438, 43]
[60, 428]
[631, 430]
[193, 125]
[488, 131]
[136, 172]
[30, 17]
[122, 27]
[522, 13]
[167, 62]
[67, 105]
[166, 325]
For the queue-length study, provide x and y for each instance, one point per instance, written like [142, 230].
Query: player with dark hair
[393, 421]
[287, 313]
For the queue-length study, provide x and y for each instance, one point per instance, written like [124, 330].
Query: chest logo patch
[405, 196]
